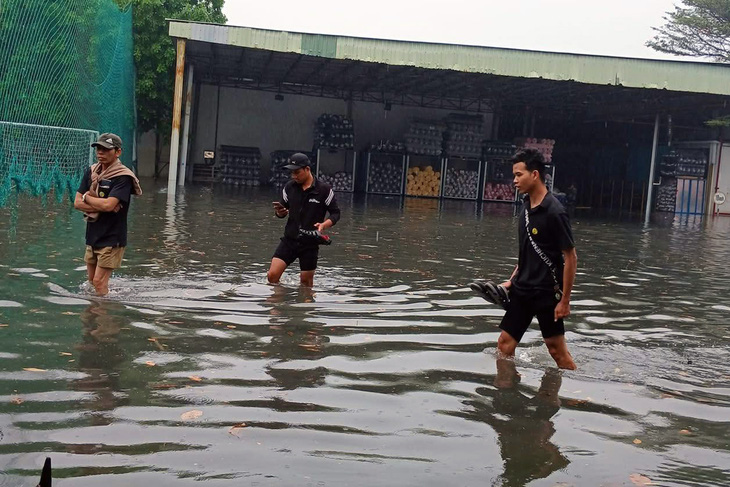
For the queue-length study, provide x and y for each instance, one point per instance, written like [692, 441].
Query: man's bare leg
[276, 269]
[101, 280]
[91, 271]
[506, 345]
[559, 351]
[306, 278]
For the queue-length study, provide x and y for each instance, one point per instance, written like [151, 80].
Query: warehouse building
[436, 120]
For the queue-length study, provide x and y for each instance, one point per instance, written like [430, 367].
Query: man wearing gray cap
[306, 201]
[104, 196]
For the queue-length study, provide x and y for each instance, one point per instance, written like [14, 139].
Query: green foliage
[154, 55]
[699, 28]
[66, 71]
[719, 122]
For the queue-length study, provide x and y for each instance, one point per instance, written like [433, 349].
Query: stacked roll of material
[425, 137]
[464, 136]
[684, 162]
[239, 166]
[461, 183]
[499, 191]
[545, 146]
[385, 177]
[666, 196]
[340, 181]
[387, 145]
[334, 131]
[498, 149]
[423, 181]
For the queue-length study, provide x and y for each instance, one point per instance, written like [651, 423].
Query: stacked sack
[423, 181]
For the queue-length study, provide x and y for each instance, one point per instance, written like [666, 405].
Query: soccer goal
[39, 159]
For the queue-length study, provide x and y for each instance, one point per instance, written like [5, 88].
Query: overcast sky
[614, 27]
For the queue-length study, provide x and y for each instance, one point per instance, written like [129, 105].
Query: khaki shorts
[106, 257]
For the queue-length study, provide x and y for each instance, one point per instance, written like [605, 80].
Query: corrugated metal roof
[599, 70]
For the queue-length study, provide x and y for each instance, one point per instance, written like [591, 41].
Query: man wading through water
[306, 201]
[103, 197]
[542, 282]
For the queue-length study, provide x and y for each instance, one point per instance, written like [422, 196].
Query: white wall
[146, 155]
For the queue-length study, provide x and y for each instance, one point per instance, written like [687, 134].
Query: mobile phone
[278, 205]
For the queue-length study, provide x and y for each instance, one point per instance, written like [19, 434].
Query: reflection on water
[195, 369]
[522, 421]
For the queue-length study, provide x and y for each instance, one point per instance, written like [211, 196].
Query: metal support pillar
[650, 191]
[185, 149]
[176, 115]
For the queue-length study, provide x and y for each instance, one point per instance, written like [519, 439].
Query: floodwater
[196, 372]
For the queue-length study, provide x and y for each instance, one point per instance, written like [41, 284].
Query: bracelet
[83, 197]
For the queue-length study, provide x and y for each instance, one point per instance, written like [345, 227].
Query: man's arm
[81, 206]
[333, 210]
[104, 205]
[84, 187]
[571, 266]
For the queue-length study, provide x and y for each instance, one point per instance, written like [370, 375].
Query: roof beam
[267, 64]
[292, 67]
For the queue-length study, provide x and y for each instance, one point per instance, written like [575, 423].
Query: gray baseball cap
[108, 141]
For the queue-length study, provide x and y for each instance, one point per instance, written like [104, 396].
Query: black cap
[108, 141]
[297, 161]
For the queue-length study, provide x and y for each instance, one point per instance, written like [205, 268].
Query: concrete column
[186, 127]
[176, 115]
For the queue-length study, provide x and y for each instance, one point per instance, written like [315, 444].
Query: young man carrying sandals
[542, 282]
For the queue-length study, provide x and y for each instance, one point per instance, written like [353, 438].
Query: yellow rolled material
[423, 181]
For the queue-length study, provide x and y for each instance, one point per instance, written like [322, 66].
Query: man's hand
[280, 210]
[506, 284]
[562, 310]
[321, 227]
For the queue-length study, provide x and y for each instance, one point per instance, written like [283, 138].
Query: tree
[699, 28]
[154, 56]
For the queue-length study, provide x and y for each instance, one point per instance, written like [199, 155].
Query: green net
[66, 74]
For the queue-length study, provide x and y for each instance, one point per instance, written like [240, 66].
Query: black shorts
[521, 310]
[291, 250]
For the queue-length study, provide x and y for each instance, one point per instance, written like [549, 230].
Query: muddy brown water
[196, 372]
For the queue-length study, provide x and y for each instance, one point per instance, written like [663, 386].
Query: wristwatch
[83, 197]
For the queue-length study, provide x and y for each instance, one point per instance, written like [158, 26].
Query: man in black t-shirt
[104, 196]
[542, 282]
[306, 201]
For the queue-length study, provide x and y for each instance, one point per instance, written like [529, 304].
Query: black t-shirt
[308, 207]
[110, 229]
[551, 231]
